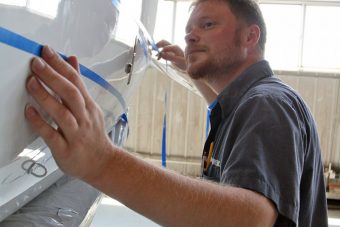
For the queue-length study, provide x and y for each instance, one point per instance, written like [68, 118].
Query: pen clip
[207, 162]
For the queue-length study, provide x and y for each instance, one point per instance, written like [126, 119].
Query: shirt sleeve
[266, 152]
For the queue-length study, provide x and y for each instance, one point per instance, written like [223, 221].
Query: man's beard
[217, 66]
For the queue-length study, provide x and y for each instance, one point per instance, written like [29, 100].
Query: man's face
[213, 41]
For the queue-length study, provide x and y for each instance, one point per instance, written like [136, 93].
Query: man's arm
[81, 148]
[175, 55]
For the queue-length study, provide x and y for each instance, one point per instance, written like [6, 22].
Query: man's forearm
[174, 200]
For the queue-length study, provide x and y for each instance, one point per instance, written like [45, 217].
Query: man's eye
[208, 25]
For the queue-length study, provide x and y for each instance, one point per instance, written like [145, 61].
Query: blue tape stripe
[164, 133]
[143, 44]
[210, 107]
[116, 4]
[103, 83]
[147, 35]
[207, 128]
[154, 46]
[17, 41]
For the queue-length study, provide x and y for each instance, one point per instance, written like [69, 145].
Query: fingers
[167, 47]
[70, 95]
[175, 55]
[68, 70]
[174, 49]
[171, 52]
[162, 43]
[163, 54]
[49, 134]
[81, 130]
[73, 61]
[62, 116]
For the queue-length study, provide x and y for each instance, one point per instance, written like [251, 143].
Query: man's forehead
[208, 9]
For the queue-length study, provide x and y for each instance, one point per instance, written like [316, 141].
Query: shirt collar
[236, 89]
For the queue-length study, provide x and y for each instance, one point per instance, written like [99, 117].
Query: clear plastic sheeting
[68, 202]
[18, 186]
[112, 63]
[175, 74]
[120, 131]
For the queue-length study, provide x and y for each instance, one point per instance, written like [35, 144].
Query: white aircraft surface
[113, 63]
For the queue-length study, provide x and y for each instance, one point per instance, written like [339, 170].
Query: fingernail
[32, 83]
[48, 51]
[30, 111]
[38, 64]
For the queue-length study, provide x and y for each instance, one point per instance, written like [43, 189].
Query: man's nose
[191, 37]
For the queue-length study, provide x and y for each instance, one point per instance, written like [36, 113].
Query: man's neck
[220, 82]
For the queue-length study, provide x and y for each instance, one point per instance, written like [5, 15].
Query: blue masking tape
[147, 35]
[210, 107]
[19, 42]
[164, 133]
[116, 4]
[143, 44]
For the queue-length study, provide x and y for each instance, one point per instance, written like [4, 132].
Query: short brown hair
[247, 11]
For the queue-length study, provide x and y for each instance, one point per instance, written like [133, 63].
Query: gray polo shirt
[265, 140]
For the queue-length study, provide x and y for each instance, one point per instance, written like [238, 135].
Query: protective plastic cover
[113, 53]
[69, 202]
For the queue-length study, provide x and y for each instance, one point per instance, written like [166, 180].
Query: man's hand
[172, 53]
[175, 55]
[79, 145]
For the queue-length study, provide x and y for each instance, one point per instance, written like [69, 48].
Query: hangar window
[43, 7]
[47, 8]
[13, 2]
[303, 37]
[126, 24]
[171, 19]
[321, 39]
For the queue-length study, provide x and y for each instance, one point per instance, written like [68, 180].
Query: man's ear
[253, 34]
